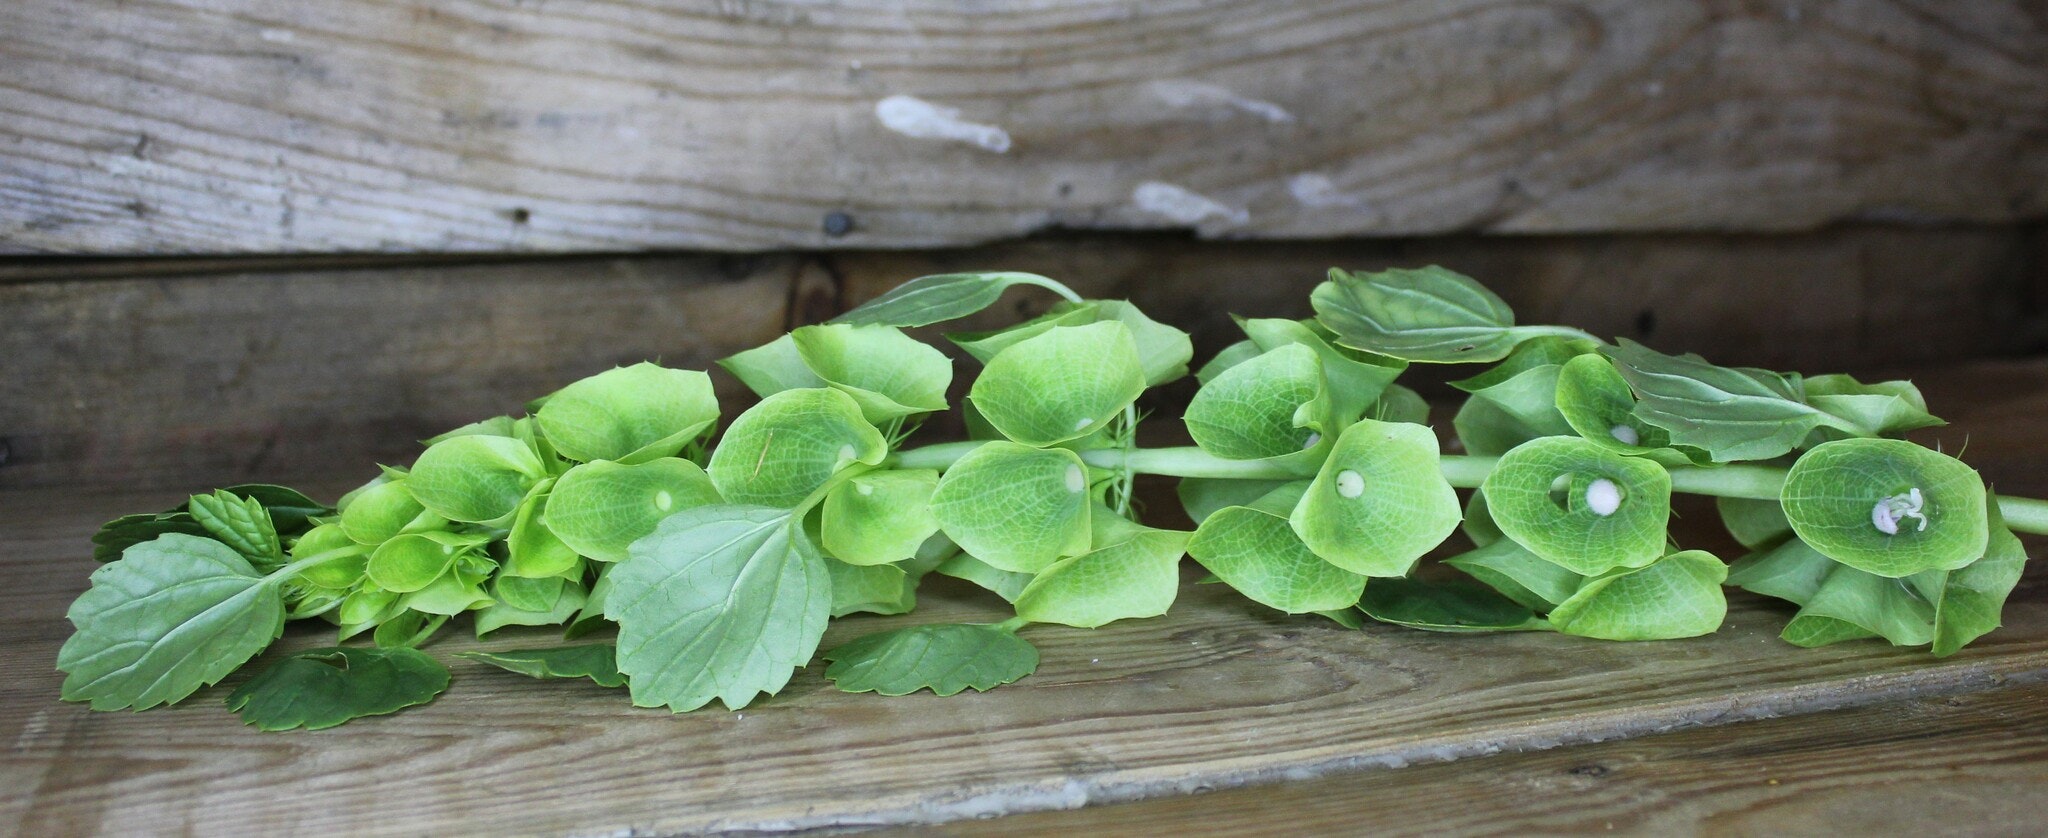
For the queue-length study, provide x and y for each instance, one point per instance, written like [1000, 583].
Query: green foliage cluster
[1315, 483]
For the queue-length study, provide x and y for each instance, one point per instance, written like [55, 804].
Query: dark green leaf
[932, 299]
[945, 659]
[326, 687]
[1445, 606]
[595, 661]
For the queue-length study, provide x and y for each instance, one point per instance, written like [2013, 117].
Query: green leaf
[772, 368]
[945, 659]
[289, 509]
[412, 561]
[494, 426]
[1427, 314]
[454, 592]
[407, 629]
[1676, 596]
[599, 508]
[1525, 384]
[1518, 574]
[874, 589]
[719, 602]
[1851, 603]
[1399, 404]
[1254, 550]
[1460, 607]
[1163, 351]
[240, 523]
[1382, 481]
[781, 450]
[174, 614]
[1732, 414]
[335, 573]
[594, 661]
[1791, 570]
[590, 617]
[629, 414]
[383, 510]
[1200, 497]
[1232, 355]
[1754, 523]
[1270, 406]
[570, 600]
[1969, 604]
[1133, 572]
[1883, 408]
[1487, 430]
[1598, 405]
[1546, 494]
[1356, 379]
[1842, 496]
[474, 479]
[326, 687]
[532, 550]
[890, 374]
[1015, 507]
[932, 299]
[1003, 583]
[879, 517]
[1064, 384]
[124, 532]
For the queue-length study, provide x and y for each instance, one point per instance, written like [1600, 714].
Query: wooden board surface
[1973, 764]
[208, 126]
[1219, 693]
[195, 372]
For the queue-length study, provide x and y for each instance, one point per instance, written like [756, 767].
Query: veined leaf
[1379, 502]
[1254, 550]
[1271, 406]
[569, 601]
[1163, 351]
[124, 532]
[383, 510]
[772, 368]
[599, 508]
[1754, 523]
[719, 602]
[1851, 603]
[932, 299]
[1518, 574]
[879, 517]
[1232, 355]
[629, 414]
[474, 479]
[1003, 583]
[784, 448]
[890, 374]
[1732, 414]
[873, 589]
[1598, 405]
[1356, 379]
[326, 687]
[1791, 570]
[1200, 497]
[945, 659]
[240, 523]
[594, 661]
[1015, 507]
[1132, 572]
[1883, 408]
[1887, 506]
[1973, 596]
[1579, 505]
[1430, 314]
[1676, 596]
[1064, 384]
[174, 614]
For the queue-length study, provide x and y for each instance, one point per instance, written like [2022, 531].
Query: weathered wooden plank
[189, 373]
[1973, 764]
[1217, 694]
[243, 126]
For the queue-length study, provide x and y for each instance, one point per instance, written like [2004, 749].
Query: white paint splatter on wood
[1185, 93]
[1183, 206]
[1319, 192]
[914, 117]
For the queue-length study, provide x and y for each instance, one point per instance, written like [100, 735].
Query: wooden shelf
[1219, 694]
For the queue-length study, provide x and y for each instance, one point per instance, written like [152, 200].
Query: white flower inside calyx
[1350, 484]
[1625, 435]
[1887, 514]
[1313, 438]
[1603, 497]
[1076, 481]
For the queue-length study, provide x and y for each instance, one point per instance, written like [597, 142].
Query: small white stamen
[1886, 514]
[1625, 434]
[864, 489]
[1350, 484]
[845, 452]
[1085, 422]
[1603, 497]
[663, 500]
[1313, 438]
[1076, 481]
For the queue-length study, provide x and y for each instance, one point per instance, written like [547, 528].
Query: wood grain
[1217, 694]
[200, 372]
[213, 126]
[1972, 764]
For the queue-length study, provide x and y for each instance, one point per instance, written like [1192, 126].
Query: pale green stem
[1466, 472]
